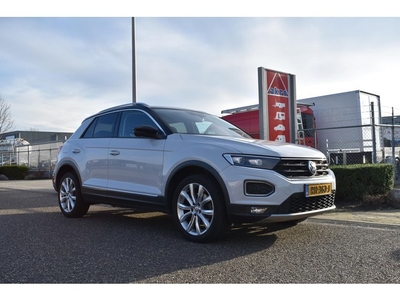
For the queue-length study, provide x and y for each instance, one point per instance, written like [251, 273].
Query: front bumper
[296, 207]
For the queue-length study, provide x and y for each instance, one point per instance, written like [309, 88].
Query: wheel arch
[66, 167]
[189, 168]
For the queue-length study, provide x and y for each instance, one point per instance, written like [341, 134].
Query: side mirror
[147, 131]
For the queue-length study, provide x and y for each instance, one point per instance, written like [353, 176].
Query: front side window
[131, 119]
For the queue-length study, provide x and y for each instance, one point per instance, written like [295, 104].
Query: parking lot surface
[389, 217]
[113, 245]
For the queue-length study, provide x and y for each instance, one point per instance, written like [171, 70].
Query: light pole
[133, 62]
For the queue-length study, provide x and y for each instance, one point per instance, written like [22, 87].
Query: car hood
[256, 147]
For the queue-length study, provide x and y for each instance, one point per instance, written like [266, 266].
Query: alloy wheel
[195, 208]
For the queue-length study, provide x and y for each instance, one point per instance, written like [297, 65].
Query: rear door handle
[114, 152]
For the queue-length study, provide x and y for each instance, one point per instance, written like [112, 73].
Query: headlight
[261, 162]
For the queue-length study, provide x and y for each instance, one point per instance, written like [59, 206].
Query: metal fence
[40, 158]
[345, 145]
[362, 144]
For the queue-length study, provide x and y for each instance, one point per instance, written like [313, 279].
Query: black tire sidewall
[81, 207]
[219, 225]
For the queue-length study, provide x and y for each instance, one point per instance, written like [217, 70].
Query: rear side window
[102, 127]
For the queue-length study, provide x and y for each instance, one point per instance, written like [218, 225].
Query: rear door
[92, 154]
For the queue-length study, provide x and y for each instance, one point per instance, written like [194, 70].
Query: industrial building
[36, 137]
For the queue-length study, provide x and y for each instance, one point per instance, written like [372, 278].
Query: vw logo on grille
[312, 166]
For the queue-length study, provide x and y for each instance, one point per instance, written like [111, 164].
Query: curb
[385, 217]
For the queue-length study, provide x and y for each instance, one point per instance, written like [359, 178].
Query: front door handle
[114, 152]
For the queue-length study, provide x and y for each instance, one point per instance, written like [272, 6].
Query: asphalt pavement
[387, 216]
[111, 245]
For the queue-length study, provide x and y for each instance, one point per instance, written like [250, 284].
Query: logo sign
[312, 166]
[277, 105]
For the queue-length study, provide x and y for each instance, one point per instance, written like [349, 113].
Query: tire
[199, 209]
[70, 198]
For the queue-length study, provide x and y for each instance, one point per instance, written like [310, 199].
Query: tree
[6, 121]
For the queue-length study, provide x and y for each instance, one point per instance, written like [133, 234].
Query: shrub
[358, 182]
[14, 172]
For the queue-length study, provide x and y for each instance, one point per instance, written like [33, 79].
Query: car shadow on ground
[151, 241]
[111, 246]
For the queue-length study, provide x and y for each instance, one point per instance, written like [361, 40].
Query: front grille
[297, 168]
[298, 203]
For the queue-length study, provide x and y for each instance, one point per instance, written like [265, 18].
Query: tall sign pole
[277, 105]
[133, 62]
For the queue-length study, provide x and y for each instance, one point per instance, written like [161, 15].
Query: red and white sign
[275, 105]
[278, 106]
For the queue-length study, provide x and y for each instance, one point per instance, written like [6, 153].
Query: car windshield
[194, 122]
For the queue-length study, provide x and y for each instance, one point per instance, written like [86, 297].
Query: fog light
[258, 188]
[258, 210]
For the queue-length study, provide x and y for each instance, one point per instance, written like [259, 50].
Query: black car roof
[134, 105]
[119, 107]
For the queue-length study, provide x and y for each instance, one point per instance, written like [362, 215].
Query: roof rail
[139, 104]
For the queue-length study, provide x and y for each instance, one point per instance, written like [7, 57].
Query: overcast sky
[56, 71]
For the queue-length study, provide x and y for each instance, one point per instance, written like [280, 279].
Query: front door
[135, 164]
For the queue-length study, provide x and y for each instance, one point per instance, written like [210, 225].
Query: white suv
[201, 169]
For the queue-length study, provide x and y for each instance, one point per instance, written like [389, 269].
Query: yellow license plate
[313, 190]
